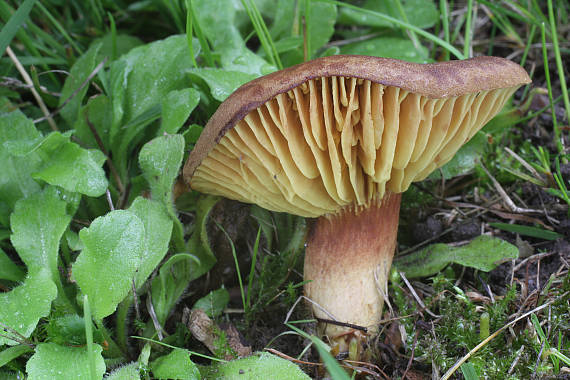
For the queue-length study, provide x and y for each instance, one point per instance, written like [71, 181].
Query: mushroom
[339, 139]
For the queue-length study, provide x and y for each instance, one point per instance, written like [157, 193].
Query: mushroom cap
[341, 130]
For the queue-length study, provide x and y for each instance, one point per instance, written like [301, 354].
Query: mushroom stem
[347, 263]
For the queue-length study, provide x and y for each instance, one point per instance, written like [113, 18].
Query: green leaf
[258, 366]
[147, 74]
[214, 302]
[8, 270]
[192, 134]
[11, 353]
[123, 43]
[133, 133]
[38, 223]
[469, 372]
[98, 111]
[222, 82]
[139, 82]
[173, 278]
[106, 267]
[160, 160]
[321, 26]
[54, 362]
[72, 239]
[284, 13]
[78, 74]
[322, 19]
[15, 177]
[176, 365]
[527, 231]
[388, 47]
[158, 229]
[23, 306]
[130, 371]
[217, 20]
[483, 253]
[69, 330]
[421, 13]
[199, 244]
[176, 108]
[68, 165]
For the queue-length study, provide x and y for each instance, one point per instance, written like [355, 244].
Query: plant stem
[122, 317]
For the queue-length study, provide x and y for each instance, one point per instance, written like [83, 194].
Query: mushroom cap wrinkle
[342, 130]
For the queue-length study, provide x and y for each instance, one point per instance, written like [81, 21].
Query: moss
[456, 332]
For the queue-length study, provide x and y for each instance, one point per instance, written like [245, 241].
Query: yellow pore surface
[336, 141]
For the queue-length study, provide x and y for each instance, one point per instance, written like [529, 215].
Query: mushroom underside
[334, 141]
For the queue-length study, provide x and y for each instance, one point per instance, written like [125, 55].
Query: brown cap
[340, 130]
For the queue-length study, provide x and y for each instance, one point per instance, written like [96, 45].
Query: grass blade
[403, 25]
[252, 270]
[60, 28]
[334, 369]
[404, 17]
[527, 231]
[234, 254]
[557, 136]
[200, 35]
[189, 34]
[468, 30]
[444, 10]
[262, 33]
[13, 25]
[307, 31]
[558, 59]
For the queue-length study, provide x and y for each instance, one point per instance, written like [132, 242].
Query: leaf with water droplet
[176, 108]
[24, 305]
[107, 265]
[147, 73]
[221, 82]
[54, 362]
[214, 302]
[160, 161]
[38, 223]
[158, 228]
[15, 177]
[218, 23]
[388, 46]
[258, 366]
[11, 353]
[483, 253]
[71, 92]
[68, 165]
[130, 371]
[176, 365]
[420, 13]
